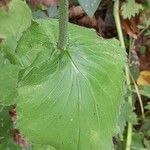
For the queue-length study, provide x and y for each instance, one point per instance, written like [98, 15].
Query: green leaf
[126, 115]
[52, 11]
[125, 111]
[5, 123]
[147, 4]
[42, 147]
[130, 9]
[90, 6]
[69, 100]
[8, 81]
[138, 141]
[39, 14]
[146, 127]
[75, 2]
[10, 145]
[145, 91]
[13, 22]
[148, 106]
[147, 143]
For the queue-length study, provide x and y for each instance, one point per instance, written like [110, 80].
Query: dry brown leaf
[144, 78]
[4, 4]
[36, 3]
[101, 26]
[145, 58]
[130, 28]
[12, 113]
[75, 12]
[88, 22]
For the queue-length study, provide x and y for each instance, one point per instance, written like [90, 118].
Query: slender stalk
[139, 96]
[127, 72]
[63, 24]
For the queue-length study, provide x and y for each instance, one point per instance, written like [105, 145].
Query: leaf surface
[13, 22]
[145, 91]
[5, 123]
[45, 147]
[69, 100]
[8, 80]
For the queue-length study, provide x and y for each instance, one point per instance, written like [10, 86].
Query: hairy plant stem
[127, 72]
[63, 24]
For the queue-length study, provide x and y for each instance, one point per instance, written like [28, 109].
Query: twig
[139, 96]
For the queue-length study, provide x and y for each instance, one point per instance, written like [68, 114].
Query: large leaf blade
[13, 22]
[66, 100]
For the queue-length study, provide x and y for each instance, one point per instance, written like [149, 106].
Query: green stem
[118, 23]
[63, 24]
[127, 72]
